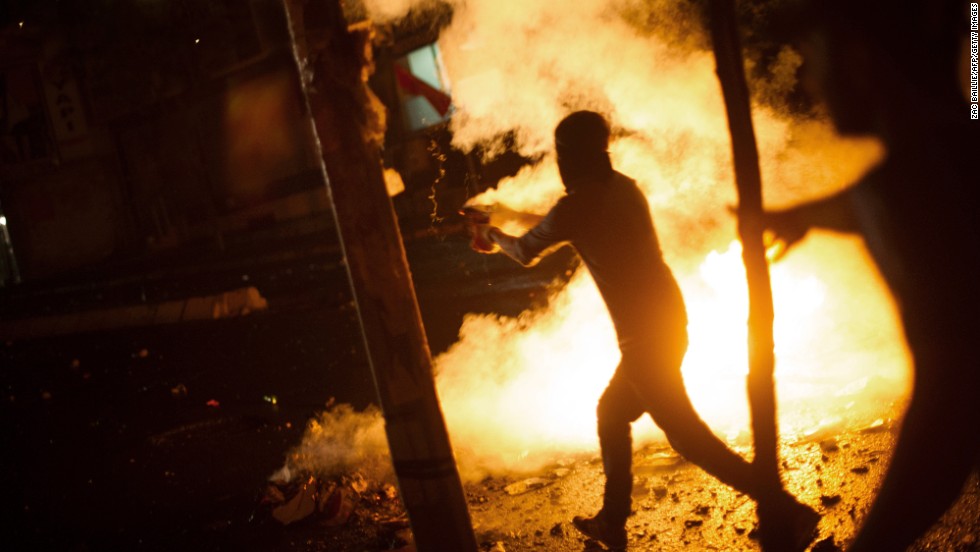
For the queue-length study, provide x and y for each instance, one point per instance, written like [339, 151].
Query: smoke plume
[517, 391]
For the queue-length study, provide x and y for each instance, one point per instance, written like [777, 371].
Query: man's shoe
[786, 525]
[596, 528]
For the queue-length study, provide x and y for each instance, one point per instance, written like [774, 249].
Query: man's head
[581, 142]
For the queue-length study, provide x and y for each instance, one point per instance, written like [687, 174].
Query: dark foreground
[164, 437]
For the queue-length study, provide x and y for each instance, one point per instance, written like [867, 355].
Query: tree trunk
[761, 391]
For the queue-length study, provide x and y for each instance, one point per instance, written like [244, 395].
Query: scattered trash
[300, 506]
[291, 497]
[272, 495]
[830, 500]
[400, 522]
[336, 508]
[825, 429]
[213, 403]
[527, 485]
[238, 302]
[179, 390]
[271, 399]
[664, 458]
[358, 483]
[829, 445]
[875, 426]
[282, 476]
[826, 545]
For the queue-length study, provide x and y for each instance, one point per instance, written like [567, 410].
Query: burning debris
[347, 508]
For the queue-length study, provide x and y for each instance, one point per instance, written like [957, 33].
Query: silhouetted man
[605, 216]
[890, 70]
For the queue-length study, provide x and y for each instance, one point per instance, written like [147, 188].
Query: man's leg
[618, 408]
[785, 524]
[672, 411]
[657, 381]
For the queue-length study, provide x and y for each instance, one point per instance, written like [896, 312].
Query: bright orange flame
[516, 390]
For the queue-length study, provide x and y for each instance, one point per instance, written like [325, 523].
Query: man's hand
[478, 226]
[481, 241]
[783, 230]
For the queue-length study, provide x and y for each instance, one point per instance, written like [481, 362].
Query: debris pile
[349, 510]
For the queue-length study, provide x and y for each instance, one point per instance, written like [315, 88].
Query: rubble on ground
[676, 505]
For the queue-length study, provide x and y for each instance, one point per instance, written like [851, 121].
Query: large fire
[517, 390]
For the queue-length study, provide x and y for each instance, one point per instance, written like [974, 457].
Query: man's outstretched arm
[511, 246]
[835, 212]
[541, 240]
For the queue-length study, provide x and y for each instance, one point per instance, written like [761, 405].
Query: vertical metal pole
[333, 66]
[762, 395]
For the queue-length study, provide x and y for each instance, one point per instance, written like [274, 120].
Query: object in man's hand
[477, 214]
[478, 222]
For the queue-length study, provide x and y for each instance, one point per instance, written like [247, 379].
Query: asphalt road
[163, 437]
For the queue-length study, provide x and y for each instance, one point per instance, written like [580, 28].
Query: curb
[228, 304]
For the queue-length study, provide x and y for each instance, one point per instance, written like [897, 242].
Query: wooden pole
[334, 64]
[761, 391]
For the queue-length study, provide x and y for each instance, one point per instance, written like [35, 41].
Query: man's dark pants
[648, 379]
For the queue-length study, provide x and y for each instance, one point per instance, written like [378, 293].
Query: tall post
[761, 391]
[334, 64]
